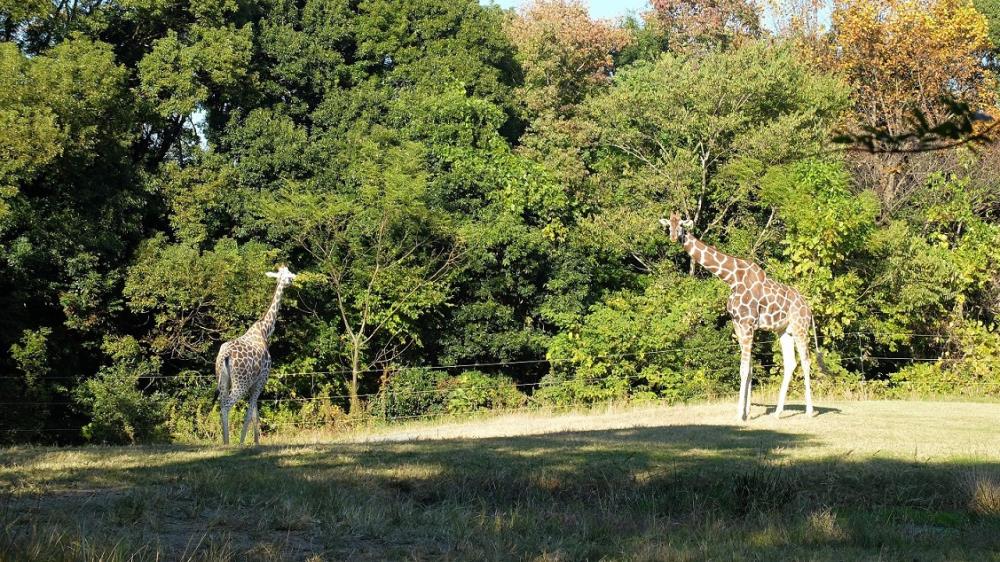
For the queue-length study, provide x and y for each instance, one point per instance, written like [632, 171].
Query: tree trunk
[355, 375]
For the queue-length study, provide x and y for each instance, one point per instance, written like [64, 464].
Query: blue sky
[611, 9]
[599, 9]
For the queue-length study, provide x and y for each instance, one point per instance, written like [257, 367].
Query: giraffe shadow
[793, 410]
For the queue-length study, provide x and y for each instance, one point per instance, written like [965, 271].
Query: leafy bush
[409, 392]
[826, 227]
[421, 391]
[670, 341]
[474, 390]
[118, 410]
[970, 367]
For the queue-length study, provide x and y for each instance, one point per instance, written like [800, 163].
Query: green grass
[863, 480]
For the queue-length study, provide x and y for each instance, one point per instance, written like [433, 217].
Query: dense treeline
[458, 184]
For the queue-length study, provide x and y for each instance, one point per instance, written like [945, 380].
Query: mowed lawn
[862, 480]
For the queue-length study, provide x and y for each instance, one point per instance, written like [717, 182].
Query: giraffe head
[283, 275]
[677, 226]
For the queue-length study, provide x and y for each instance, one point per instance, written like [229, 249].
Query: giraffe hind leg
[226, 404]
[788, 356]
[225, 425]
[802, 344]
[246, 421]
[256, 425]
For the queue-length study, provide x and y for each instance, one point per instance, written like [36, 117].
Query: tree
[563, 53]
[991, 11]
[565, 57]
[694, 25]
[697, 134]
[874, 47]
[827, 230]
[72, 206]
[383, 254]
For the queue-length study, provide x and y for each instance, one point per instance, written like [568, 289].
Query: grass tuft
[983, 489]
[822, 526]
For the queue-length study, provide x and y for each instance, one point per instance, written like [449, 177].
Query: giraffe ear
[271, 274]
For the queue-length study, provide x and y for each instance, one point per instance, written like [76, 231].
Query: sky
[599, 9]
[613, 9]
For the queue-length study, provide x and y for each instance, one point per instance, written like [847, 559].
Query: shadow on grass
[792, 410]
[702, 491]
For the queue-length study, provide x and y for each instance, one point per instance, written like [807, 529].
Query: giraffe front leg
[788, 357]
[746, 345]
[741, 407]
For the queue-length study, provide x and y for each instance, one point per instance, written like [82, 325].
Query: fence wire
[990, 386]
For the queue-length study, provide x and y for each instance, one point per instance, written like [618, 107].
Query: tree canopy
[470, 196]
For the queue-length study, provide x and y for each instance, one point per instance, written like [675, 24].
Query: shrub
[409, 392]
[421, 391]
[666, 342]
[119, 412]
[474, 390]
[969, 367]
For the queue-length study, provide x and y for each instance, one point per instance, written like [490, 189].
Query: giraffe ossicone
[755, 303]
[243, 364]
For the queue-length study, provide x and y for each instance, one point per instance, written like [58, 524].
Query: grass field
[862, 480]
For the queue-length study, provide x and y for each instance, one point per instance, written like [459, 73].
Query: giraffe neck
[723, 266]
[266, 323]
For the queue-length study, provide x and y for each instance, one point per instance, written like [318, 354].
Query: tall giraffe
[243, 364]
[756, 303]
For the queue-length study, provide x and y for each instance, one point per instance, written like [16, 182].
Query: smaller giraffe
[756, 303]
[243, 364]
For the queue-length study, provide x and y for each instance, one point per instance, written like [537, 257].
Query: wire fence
[532, 406]
[477, 365]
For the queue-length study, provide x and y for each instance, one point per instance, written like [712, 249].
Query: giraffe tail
[225, 376]
[819, 353]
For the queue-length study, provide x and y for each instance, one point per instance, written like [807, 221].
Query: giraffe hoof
[810, 413]
[777, 415]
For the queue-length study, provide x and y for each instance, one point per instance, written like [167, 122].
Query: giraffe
[755, 303]
[243, 364]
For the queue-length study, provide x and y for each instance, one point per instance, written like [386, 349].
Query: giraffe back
[768, 305]
[249, 362]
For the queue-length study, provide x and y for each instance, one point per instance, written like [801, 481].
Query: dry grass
[983, 489]
[863, 480]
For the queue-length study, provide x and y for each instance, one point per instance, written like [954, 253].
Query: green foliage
[197, 297]
[664, 342]
[474, 390]
[118, 410]
[694, 133]
[55, 105]
[928, 268]
[179, 74]
[410, 392]
[826, 227]
[969, 367]
[32, 355]
[416, 391]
